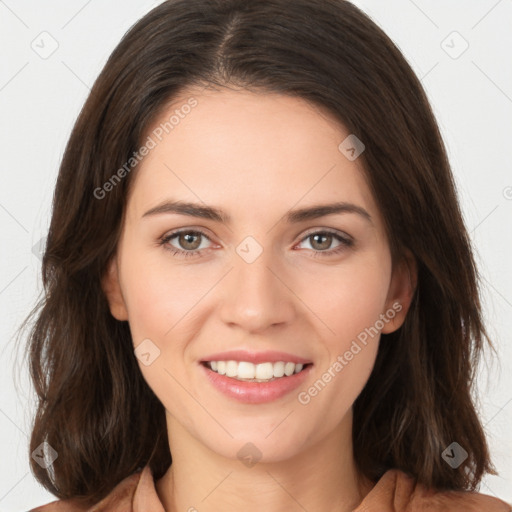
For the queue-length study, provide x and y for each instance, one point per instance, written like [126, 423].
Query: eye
[321, 241]
[188, 241]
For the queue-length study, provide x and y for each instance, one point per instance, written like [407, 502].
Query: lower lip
[256, 392]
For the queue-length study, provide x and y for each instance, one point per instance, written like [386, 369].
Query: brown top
[394, 492]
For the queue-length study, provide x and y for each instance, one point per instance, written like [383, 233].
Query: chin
[258, 445]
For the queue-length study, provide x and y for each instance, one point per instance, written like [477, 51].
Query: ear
[112, 289]
[401, 291]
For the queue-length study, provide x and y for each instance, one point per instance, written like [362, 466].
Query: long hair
[94, 407]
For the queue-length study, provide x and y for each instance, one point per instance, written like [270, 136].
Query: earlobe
[401, 292]
[112, 289]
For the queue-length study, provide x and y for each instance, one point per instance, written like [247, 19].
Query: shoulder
[398, 492]
[119, 499]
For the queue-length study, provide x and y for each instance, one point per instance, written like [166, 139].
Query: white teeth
[264, 371]
[289, 368]
[245, 370]
[231, 369]
[221, 367]
[279, 369]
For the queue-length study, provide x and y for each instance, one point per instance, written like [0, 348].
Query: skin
[256, 156]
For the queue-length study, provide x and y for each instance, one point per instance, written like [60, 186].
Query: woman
[258, 265]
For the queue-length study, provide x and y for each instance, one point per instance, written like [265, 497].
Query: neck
[323, 477]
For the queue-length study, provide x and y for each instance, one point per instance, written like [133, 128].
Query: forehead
[250, 152]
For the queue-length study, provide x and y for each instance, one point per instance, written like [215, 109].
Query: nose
[256, 295]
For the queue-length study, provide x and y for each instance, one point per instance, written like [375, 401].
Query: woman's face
[257, 268]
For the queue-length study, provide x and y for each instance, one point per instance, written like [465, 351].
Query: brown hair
[94, 407]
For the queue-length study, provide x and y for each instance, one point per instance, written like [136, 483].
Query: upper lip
[256, 357]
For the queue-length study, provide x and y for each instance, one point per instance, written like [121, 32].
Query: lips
[255, 391]
[269, 356]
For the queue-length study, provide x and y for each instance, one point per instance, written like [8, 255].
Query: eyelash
[345, 243]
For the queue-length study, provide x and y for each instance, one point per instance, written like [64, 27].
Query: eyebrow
[293, 216]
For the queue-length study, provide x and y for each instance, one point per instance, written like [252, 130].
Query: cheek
[156, 297]
[349, 303]
[336, 386]
[349, 299]
[158, 307]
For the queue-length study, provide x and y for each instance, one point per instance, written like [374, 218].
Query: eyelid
[330, 231]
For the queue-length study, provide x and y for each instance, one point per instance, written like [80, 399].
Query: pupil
[187, 237]
[327, 237]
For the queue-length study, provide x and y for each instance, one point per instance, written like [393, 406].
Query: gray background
[40, 96]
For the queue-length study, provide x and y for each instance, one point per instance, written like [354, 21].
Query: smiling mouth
[250, 372]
